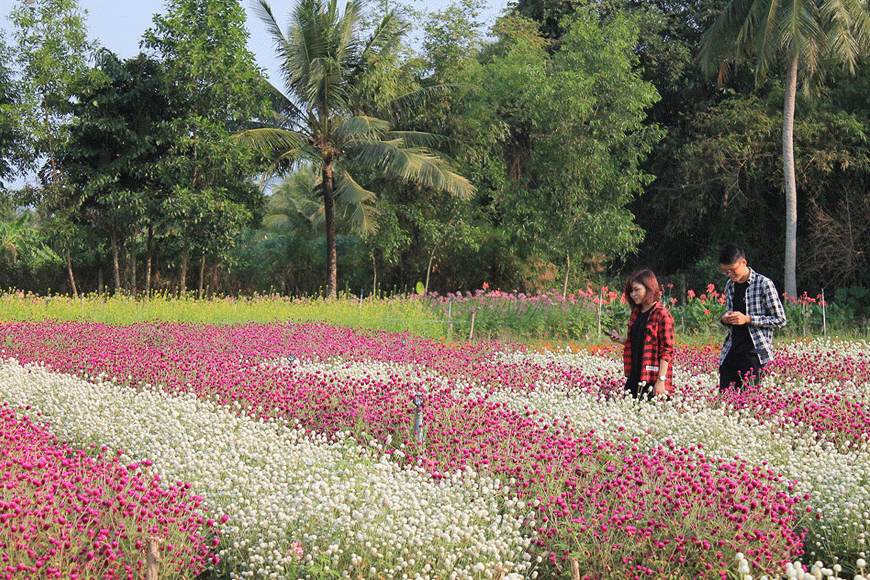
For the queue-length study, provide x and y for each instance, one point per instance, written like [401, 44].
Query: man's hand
[735, 318]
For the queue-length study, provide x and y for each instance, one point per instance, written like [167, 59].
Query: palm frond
[387, 35]
[768, 38]
[282, 47]
[405, 105]
[287, 113]
[360, 128]
[802, 34]
[848, 26]
[732, 29]
[417, 138]
[296, 194]
[275, 141]
[357, 200]
[414, 165]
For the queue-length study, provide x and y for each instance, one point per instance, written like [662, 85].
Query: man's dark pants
[739, 370]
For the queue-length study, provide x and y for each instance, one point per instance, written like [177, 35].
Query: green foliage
[806, 36]
[112, 153]
[12, 137]
[325, 62]
[569, 129]
[854, 302]
[452, 36]
[50, 53]
[555, 123]
[700, 313]
[217, 88]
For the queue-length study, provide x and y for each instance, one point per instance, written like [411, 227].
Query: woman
[648, 349]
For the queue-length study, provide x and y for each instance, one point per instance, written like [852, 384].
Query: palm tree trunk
[790, 287]
[429, 268]
[329, 217]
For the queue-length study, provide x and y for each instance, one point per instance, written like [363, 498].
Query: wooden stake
[153, 558]
[575, 568]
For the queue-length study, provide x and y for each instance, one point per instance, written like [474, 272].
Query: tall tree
[323, 59]
[115, 144]
[802, 35]
[569, 133]
[12, 137]
[52, 53]
[218, 89]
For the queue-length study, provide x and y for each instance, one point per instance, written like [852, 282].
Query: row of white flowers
[292, 499]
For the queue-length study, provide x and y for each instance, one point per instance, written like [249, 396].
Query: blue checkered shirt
[764, 308]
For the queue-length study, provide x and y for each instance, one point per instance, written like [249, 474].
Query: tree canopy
[562, 144]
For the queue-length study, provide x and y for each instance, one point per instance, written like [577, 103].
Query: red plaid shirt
[658, 345]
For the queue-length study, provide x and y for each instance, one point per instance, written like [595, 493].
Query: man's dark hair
[731, 253]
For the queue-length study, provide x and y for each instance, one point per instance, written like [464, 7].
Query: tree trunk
[133, 266]
[149, 251]
[116, 266]
[329, 217]
[185, 256]
[72, 278]
[790, 287]
[374, 277]
[125, 263]
[429, 268]
[567, 271]
[201, 277]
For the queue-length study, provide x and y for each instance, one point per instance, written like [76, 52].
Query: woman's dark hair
[730, 254]
[649, 281]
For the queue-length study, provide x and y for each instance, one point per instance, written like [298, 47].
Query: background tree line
[577, 141]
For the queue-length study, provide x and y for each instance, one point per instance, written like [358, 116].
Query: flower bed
[531, 449]
[66, 515]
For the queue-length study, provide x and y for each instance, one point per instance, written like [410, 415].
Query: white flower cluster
[798, 571]
[295, 502]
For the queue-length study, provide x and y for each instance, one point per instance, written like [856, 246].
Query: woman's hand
[614, 336]
[659, 388]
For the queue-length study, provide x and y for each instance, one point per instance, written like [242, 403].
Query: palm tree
[323, 60]
[297, 195]
[802, 34]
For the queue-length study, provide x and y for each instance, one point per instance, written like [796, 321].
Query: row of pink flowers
[67, 514]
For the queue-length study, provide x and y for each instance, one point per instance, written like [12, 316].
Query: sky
[119, 25]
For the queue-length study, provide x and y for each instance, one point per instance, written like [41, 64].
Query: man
[753, 310]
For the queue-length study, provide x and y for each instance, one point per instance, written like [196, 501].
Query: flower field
[281, 450]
